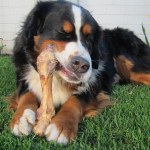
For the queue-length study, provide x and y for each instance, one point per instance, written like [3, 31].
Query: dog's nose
[79, 64]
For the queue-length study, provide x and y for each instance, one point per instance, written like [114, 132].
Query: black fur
[124, 42]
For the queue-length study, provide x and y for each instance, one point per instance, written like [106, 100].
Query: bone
[46, 64]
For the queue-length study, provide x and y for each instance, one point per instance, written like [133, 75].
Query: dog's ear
[35, 20]
[95, 59]
[96, 50]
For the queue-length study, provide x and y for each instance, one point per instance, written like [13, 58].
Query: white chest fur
[60, 93]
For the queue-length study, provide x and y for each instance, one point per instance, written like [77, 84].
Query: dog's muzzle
[75, 70]
[78, 65]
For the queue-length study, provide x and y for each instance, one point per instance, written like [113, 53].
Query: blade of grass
[144, 31]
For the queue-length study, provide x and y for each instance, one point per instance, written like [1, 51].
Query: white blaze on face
[77, 20]
[75, 48]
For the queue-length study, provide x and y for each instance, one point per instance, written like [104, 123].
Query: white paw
[53, 134]
[25, 123]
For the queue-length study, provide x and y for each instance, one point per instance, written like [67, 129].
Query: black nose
[79, 65]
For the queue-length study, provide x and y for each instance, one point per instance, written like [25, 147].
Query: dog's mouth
[67, 74]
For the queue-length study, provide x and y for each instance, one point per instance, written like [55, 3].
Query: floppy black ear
[34, 21]
[95, 59]
[96, 50]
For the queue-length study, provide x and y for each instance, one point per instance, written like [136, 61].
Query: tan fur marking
[124, 67]
[26, 101]
[67, 119]
[91, 110]
[36, 39]
[60, 46]
[36, 43]
[87, 29]
[95, 107]
[140, 78]
[13, 102]
[103, 99]
[67, 27]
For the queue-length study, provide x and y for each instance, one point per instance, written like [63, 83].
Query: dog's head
[75, 33]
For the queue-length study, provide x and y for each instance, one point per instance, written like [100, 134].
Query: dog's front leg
[64, 125]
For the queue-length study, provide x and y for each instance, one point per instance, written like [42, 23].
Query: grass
[145, 35]
[126, 126]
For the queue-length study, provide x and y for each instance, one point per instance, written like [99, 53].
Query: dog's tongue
[69, 73]
[66, 71]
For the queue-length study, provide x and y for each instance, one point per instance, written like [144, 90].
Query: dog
[89, 58]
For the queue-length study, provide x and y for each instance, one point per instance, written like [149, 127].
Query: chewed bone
[46, 64]
[46, 61]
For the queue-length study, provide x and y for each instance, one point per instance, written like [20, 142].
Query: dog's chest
[59, 91]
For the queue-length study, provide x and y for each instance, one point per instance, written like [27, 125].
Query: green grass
[125, 126]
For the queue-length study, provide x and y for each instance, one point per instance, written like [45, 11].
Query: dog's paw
[23, 125]
[61, 132]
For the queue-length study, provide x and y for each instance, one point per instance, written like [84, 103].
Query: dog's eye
[61, 32]
[65, 34]
[88, 37]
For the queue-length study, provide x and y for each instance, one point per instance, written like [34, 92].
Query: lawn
[124, 126]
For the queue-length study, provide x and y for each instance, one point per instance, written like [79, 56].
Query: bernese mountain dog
[88, 60]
